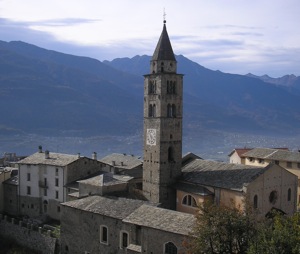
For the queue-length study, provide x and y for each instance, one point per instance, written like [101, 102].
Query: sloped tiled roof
[188, 157]
[240, 151]
[114, 207]
[192, 188]
[162, 219]
[221, 175]
[107, 179]
[273, 154]
[129, 161]
[12, 181]
[56, 159]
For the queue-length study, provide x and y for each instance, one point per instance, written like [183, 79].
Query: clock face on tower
[151, 137]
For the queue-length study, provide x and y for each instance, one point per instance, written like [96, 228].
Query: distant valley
[47, 95]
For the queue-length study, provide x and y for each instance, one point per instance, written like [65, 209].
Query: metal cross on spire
[164, 15]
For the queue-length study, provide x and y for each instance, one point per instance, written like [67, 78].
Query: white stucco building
[42, 180]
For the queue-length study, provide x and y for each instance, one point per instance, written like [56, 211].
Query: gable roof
[114, 207]
[273, 154]
[122, 161]
[55, 159]
[240, 151]
[221, 175]
[188, 157]
[162, 219]
[105, 179]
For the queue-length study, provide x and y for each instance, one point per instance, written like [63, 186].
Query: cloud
[229, 48]
[62, 22]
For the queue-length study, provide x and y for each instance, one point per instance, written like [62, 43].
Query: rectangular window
[261, 161]
[277, 162]
[45, 192]
[45, 182]
[56, 182]
[28, 190]
[289, 164]
[28, 176]
[103, 234]
[124, 240]
[56, 194]
[56, 172]
[251, 159]
[298, 165]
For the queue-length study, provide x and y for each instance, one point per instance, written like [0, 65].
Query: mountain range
[51, 93]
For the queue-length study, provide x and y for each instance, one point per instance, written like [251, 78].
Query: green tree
[279, 235]
[221, 229]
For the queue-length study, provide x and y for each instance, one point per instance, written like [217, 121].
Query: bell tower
[162, 125]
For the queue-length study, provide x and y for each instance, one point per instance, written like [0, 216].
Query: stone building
[123, 164]
[5, 173]
[11, 196]
[106, 224]
[103, 183]
[236, 155]
[162, 125]
[267, 188]
[264, 156]
[42, 180]
[98, 224]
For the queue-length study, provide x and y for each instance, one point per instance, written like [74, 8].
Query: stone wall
[11, 199]
[82, 168]
[80, 232]
[28, 235]
[152, 241]
[30, 206]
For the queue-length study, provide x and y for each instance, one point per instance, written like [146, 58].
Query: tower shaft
[162, 125]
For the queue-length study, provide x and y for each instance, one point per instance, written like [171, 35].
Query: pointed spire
[163, 50]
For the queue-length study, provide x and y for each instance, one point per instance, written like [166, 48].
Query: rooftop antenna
[165, 16]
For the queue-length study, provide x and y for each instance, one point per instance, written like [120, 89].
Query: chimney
[78, 155]
[113, 163]
[40, 149]
[122, 163]
[94, 156]
[47, 154]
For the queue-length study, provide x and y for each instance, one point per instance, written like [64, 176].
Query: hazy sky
[235, 36]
